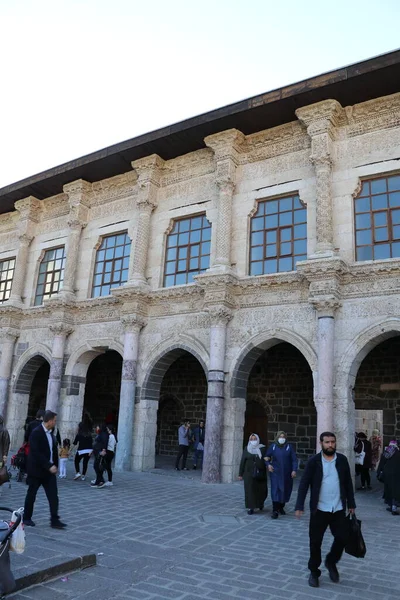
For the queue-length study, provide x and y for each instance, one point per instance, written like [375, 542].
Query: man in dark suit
[33, 424]
[42, 469]
[328, 476]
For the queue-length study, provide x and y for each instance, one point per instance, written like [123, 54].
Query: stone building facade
[254, 334]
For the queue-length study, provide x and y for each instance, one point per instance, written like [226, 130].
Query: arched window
[112, 264]
[51, 274]
[278, 235]
[188, 250]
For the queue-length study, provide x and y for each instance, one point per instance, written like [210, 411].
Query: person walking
[364, 449]
[110, 453]
[253, 472]
[42, 470]
[99, 451]
[183, 441]
[376, 445]
[329, 477]
[387, 472]
[282, 467]
[199, 433]
[84, 441]
[64, 456]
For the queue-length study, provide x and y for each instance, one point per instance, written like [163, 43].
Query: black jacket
[312, 478]
[30, 427]
[39, 454]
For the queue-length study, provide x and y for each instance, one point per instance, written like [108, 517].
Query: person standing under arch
[253, 471]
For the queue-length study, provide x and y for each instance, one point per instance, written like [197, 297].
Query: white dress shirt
[49, 436]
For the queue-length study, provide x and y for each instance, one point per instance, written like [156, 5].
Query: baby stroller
[7, 581]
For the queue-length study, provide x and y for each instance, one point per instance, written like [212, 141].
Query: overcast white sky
[79, 75]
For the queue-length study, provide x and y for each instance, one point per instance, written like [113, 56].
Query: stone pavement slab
[166, 537]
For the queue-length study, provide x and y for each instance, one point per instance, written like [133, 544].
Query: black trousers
[109, 458]
[183, 451]
[276, 506]
[78, 458]
[49, 484]
[319, 523]
[365, 477]
[98, 470]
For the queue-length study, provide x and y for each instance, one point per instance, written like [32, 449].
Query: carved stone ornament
[320, 115]
[8, 334]
[133, 323]
[326, 306]
[78, 192]
[29, 208]
[61, 329]
[226, 144]
[149, 168]
[219, 315]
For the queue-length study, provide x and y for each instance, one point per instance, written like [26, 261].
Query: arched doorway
[102, 390]
[281, 384]
[377, 390]
[29, 394]
[183, 396]
[255, 421]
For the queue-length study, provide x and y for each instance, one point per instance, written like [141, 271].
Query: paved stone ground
[171, 537]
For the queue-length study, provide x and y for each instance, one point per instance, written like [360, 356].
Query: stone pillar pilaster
[60, 332]
[8, 338]
[220, 316]
[149, 175]
[78, 197]
[132, 324]
[28, 209]
[325, 307]
[321, 120]
[226, 146]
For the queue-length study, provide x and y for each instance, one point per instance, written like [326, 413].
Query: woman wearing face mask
[253, 471]
[282, 470]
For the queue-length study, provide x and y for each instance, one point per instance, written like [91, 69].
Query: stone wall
[183, 395]
[281, 382]
[378, 385]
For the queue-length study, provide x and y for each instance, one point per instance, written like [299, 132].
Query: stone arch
[362, 345]
[255, 347]
[24, 374]
[80, 359]
[160, 365]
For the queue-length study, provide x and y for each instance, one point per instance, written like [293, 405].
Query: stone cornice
[320, 117]
[322, 268]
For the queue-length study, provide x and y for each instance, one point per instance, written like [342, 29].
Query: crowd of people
[187, 437]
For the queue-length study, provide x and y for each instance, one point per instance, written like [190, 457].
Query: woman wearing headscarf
[363, 445]
[389, 472]
[282, 470]
[253, 471]
[376, 445]
[4, 442]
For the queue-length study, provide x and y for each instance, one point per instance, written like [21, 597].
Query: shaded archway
[281, 382]
[102, 390]
[29, 394]
[255, 421]
[377, 386]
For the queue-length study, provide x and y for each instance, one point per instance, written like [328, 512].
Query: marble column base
[123, 458]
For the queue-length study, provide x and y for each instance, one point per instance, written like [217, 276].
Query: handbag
[4, 474]
[360, 456]
[258, 474]
[355, 545]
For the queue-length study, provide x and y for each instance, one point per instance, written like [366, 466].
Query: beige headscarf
[255, 449]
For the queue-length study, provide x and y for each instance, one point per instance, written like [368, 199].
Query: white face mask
[281, 440]
[253, 442]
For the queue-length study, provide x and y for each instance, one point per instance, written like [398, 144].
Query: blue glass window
[7, 268]
[51, 274]
[112, 264]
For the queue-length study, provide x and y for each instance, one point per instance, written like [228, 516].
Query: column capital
[320, 117]
[149, 168]
[325, 306]
[61, 329]
[219, 315]
[226, 144]
[9, 334]
[76, 224]
[133, 323]
[78, 191]
[28, 208]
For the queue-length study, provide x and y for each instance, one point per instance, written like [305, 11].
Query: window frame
[278, 230]
[373, 229]
[3, 292]
[94, 274]
[60, 281]
[187, 271]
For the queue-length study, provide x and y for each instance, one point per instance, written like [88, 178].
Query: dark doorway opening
[38, 391]
[255, 421]
[102, 390]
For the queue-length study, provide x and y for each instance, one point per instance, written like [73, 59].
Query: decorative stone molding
[114, 188]
[284, 139]
[373, 115]
[9, 334]
[325, 306]
[219, 315]
[321, 119]
[133, 323]
[218, 288]
[61, 329]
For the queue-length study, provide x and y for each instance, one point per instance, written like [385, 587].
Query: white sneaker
[77, 476]
[109, 483]
[93, 481]
[83, 478]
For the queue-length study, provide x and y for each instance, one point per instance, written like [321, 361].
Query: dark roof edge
[324, 79]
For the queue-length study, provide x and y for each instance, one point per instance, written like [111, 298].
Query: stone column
[220, 317]
[60, 331]
[321, 120]
[78, 197]
[226, 147]
[9, 337]
[326, 343]
[123, 459]
[149, 175]
[28, 209]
